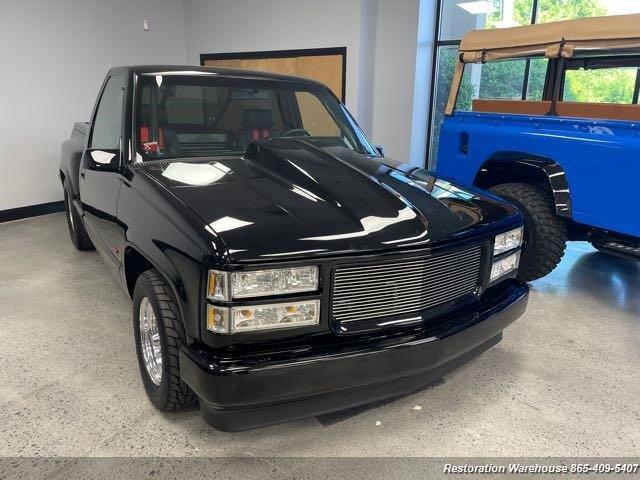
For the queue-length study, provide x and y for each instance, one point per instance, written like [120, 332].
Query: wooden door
[327, 68]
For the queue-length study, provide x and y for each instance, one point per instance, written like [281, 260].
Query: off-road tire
[172, 393]
[77, 232]
[545, 234]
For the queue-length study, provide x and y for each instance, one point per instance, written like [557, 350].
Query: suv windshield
[205, 115]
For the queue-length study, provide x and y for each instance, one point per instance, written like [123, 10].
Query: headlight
[261, 283]
[507, 241]
[262, 317]
[504, 266]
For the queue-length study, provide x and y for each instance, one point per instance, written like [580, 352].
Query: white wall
[422, 85]
[55, 55]
[394, 74]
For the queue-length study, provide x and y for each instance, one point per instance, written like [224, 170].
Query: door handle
[463, 143]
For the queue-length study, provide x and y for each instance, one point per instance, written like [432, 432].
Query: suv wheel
[77, 232]
[158, 332]
[545, 234]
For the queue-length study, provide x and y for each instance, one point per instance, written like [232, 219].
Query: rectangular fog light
[504, 266]
[262, 317]
[281, 315]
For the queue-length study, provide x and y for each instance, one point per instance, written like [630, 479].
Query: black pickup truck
[280, 267]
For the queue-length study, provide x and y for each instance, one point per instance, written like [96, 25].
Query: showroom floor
[564, 381]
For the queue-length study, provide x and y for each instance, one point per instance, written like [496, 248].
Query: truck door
[100, 178]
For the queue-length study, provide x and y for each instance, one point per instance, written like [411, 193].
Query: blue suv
[567, 152]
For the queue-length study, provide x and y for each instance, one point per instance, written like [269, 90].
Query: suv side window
[107, 125]
[503, 80]
[600, 85]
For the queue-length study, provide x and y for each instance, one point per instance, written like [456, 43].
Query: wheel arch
[135, 262]
[520, 167]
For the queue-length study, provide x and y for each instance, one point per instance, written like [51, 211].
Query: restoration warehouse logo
[565, 466]
[511, 468]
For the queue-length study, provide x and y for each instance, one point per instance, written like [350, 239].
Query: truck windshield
[204, 115]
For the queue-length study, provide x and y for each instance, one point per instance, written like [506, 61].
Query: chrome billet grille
[406, 286]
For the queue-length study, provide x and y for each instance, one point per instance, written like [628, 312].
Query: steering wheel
[296, 132]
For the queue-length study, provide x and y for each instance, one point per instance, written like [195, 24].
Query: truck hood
[286, 198]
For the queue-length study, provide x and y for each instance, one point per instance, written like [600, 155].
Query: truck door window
[107, 124]
[315, 118]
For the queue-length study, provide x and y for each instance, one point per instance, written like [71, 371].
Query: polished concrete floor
[565, 381]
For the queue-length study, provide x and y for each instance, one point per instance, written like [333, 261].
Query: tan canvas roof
[552, 39]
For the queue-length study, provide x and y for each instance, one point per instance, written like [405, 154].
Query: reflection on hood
[291, 199]
[195, 174]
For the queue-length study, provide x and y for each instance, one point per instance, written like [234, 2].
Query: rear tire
[77, 232]
[545, 234]
[158, 337]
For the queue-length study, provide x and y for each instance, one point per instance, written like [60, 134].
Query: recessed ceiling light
[476, 8]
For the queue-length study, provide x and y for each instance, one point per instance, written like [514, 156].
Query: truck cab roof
[219, 71]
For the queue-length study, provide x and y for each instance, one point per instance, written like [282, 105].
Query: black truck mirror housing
[103, 160]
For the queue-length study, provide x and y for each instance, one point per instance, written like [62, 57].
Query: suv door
[100, 178]
[601, 156]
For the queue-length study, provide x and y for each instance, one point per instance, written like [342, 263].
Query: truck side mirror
[103, 160]
[380, 149]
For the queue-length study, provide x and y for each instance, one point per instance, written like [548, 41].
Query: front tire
[545, 234]
[77, 232]
[158, 332]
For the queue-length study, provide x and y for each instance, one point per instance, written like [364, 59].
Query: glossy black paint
[284, 202]
[288, 199]
[306, 379]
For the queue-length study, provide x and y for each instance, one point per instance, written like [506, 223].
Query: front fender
[171, 238]
[508, 167]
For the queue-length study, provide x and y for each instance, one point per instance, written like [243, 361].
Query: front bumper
[256, 391]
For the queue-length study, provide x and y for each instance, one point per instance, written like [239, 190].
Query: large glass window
[457, 17]
[524, 80]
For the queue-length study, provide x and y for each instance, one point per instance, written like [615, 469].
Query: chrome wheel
[150, 341]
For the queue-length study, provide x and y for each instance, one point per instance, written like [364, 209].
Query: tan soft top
[552, 39]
